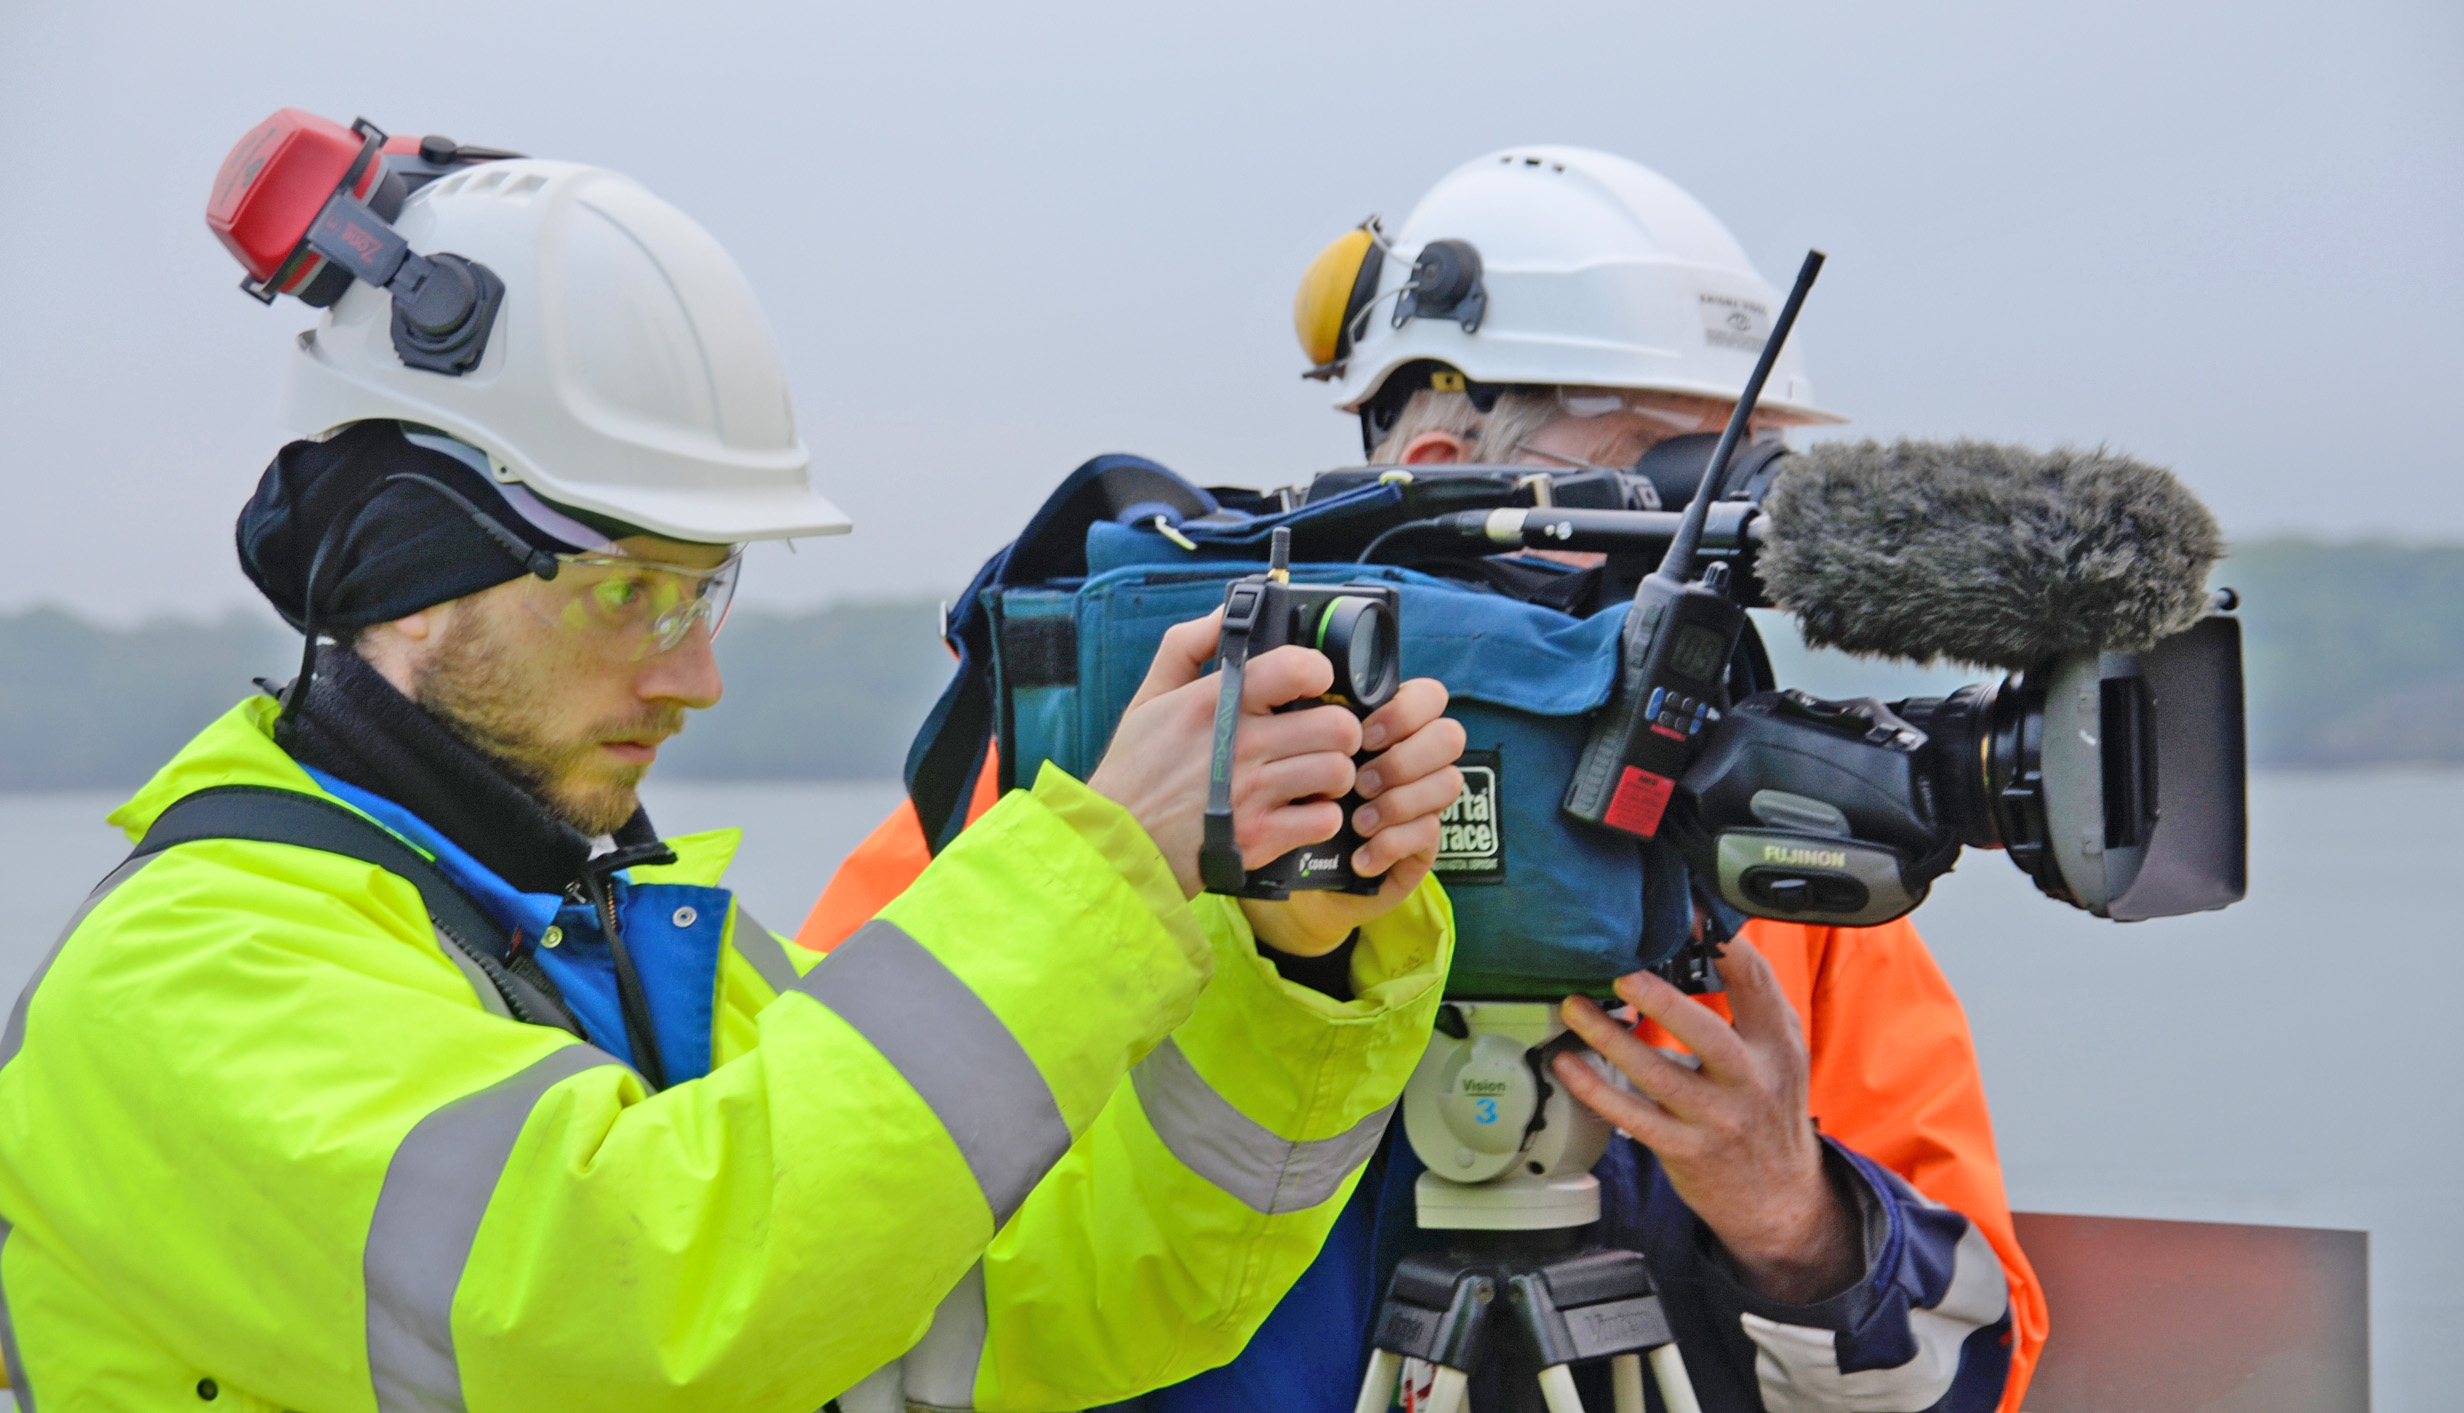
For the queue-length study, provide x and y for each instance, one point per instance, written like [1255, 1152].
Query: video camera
[2108, 766]
[2114, 779]
[1633, 763]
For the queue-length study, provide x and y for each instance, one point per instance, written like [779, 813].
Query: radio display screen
[1696, 653]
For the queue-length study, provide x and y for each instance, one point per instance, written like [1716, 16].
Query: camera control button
[1791, 891]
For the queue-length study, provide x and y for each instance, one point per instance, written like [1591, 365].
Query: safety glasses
[628, 609]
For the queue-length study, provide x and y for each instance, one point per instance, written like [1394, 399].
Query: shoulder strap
[266, 815]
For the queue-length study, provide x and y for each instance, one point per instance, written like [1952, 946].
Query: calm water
[2293, 1060]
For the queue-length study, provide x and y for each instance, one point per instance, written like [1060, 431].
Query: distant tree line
[828, 695]
[2355, 658]
[2354, 652]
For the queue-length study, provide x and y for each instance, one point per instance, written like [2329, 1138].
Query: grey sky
[996, 240]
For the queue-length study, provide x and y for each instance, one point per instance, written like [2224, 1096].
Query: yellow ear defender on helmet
[1338, 285]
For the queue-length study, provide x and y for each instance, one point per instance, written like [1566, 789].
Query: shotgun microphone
[1983, 553]
[1979, 552]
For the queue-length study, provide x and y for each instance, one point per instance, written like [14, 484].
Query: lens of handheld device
[1358, 636]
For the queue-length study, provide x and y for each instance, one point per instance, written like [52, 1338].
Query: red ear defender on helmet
[304, 203]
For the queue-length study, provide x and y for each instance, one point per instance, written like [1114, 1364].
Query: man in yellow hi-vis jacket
[402, 1066]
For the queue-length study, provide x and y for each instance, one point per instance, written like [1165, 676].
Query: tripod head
[1520, 1295]
[1507, 1149]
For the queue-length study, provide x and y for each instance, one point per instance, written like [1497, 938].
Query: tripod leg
[1558, 1391]
[1449, 1393]
[1676, 1390]
[1625, 1377]
[1377, 1391]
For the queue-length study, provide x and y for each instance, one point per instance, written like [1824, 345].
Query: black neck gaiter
[354, 725]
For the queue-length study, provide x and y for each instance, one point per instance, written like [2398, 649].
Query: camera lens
[1985, 770]
[1358, 636]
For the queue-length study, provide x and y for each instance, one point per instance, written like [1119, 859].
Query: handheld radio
[1678, 638]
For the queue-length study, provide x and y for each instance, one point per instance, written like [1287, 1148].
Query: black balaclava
[394, 542]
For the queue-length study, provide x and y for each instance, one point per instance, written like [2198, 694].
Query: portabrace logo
[1471, 834]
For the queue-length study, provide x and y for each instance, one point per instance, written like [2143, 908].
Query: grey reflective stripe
[1237, 1153]
[876, 1392]
[939, 1373]
[14, 1038]
[437, 1187]
[953, 1052]
[766, 953]
[8, 1336]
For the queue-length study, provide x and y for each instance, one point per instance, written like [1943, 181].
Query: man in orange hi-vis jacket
[1865, 1260]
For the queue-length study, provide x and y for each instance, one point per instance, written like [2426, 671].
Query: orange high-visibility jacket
[1893, 1070]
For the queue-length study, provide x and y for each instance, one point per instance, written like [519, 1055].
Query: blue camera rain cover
[1543, 903]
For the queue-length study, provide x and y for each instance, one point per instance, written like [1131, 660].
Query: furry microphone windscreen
[1982, 553]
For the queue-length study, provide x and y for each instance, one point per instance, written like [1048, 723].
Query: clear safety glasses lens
[1675, 413]
[1590, 402]
[630, 609]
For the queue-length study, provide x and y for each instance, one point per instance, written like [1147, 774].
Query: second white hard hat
[630, 373]
[1550, 266]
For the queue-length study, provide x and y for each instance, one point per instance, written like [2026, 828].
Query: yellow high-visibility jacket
[264, 1142]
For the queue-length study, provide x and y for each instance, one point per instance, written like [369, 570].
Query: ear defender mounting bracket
[444, 305]
[1445, 284]
[1340, 287]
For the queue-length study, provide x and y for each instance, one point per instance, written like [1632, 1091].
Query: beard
[499, 700]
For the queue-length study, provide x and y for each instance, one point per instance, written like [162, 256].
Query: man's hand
[1734, 1137]
[1403, 791]
[1288, 770]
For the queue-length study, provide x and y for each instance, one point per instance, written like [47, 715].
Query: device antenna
[1678, 563]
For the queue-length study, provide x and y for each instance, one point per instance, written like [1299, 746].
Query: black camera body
[1816, 811]
[2114, 779]
[1358, 628]
[1844, 813]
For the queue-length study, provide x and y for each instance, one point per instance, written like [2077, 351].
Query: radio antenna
[1678, 563]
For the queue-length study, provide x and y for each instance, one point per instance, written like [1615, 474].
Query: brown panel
[2200, 1317]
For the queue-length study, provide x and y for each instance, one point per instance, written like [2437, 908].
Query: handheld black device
[1678, 638]
[1357, 626]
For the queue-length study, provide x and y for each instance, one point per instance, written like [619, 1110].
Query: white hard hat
[629, 372]
[1549, 266]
